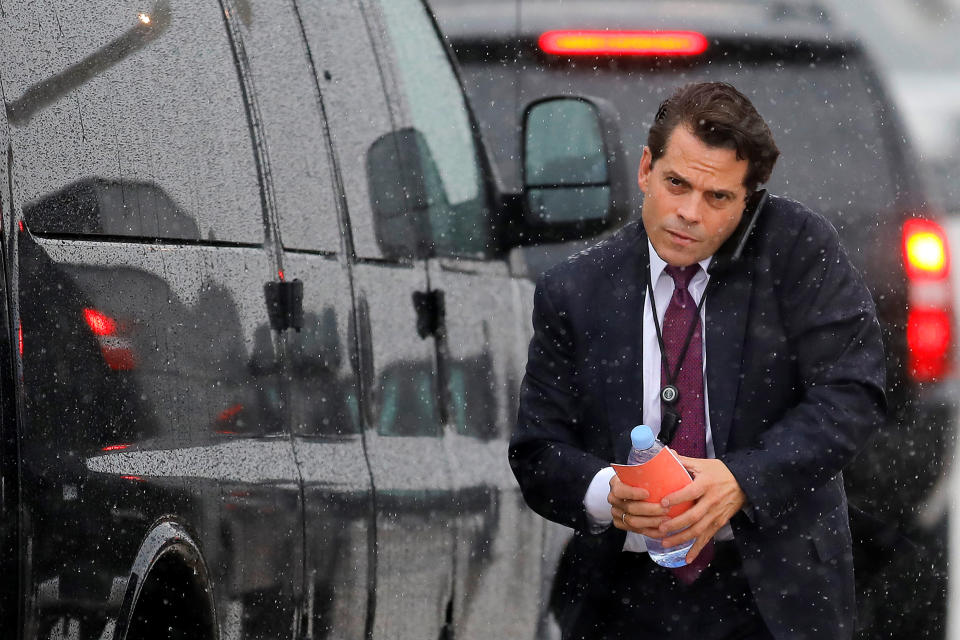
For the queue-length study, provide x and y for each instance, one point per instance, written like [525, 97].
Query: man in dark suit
[779, 369]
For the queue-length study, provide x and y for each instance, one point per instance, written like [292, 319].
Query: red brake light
[926, 260]
[100, 323]
[623, 43]
[925, 254]
[928, 337]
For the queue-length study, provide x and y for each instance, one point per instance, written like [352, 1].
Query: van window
[289, 108]
[109, 104]
[354, 102]
[430, 99]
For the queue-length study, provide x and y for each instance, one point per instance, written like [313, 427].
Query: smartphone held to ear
[732, 249]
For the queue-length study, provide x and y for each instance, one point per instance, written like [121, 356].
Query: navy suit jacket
[795, 376]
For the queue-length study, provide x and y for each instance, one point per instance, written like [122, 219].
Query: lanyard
[669, 394]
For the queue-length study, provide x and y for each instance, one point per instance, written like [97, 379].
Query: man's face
[693, 197]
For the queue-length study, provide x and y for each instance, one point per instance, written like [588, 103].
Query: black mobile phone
[732, 249]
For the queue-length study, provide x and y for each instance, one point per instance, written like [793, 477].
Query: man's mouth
[682, 238]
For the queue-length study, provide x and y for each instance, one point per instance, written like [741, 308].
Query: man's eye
[720, 197]
[674, 182]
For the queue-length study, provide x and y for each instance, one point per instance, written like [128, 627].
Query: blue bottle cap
[642, 437]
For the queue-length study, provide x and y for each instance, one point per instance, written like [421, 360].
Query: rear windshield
[824, 120]
[825, 117]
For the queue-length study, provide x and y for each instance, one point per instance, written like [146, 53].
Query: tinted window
[108, 103]
[825, 116]
[289, 108]
[429, 98]
[354, 102]
[837, 158]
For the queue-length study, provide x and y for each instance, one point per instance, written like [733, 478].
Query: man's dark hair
[719, 116]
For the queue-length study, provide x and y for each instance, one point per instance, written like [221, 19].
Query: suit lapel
[728, 306]
[621, 345]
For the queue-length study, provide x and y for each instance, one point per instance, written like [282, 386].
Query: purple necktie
[690, 438]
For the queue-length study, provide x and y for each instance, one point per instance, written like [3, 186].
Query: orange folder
[661, 476]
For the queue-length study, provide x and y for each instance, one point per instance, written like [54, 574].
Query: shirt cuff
[595, 502]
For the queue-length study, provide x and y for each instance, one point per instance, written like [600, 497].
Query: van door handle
[285, 304]
[431, 312]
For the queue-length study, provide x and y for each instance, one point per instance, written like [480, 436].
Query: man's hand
[641, 516]
[717, 497]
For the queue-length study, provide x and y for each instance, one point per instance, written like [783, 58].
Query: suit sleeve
[546, 453]
[834, 336]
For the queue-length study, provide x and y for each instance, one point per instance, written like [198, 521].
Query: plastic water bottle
[645, 446]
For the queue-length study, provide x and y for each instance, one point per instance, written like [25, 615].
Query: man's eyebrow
[677, 177]
[723, 192]
[673, 175]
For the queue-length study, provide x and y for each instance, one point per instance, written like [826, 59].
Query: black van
[844, 153]
[261, 339]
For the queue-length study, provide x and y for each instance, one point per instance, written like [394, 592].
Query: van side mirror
[405, 190]
[574, 183]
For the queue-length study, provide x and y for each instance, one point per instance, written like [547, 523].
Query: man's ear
[646, 166]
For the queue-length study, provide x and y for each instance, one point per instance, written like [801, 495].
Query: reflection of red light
[20, 224]
[134, 478]
[115, 447]
[117, 350]
[280, 273]
[20, 337]
[100, 323]
[229, 412]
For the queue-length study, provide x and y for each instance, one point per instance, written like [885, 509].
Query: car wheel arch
[168, 561]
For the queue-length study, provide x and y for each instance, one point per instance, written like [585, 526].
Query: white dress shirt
[595, 502]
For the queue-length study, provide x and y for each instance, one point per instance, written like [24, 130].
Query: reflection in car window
[406, 405]
[472, 401]
[102, 96]
[432, 95]
[322, 399]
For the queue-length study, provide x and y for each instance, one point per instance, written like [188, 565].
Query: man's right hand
[641, 516]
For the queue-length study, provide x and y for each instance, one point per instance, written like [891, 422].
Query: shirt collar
[657, 265]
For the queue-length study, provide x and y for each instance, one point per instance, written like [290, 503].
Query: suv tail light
[623, 43]
[926, 259]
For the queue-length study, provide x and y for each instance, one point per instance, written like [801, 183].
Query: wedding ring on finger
[623, 517]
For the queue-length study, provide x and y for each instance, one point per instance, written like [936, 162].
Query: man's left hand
[717, 497]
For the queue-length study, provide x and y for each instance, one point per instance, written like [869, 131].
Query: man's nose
[690, 209]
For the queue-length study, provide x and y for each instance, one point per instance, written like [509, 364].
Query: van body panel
[344, 477]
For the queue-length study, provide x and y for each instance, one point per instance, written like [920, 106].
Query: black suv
[844, 153]
[260, 341]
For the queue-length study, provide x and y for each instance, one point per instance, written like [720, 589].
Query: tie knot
[682, 275]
